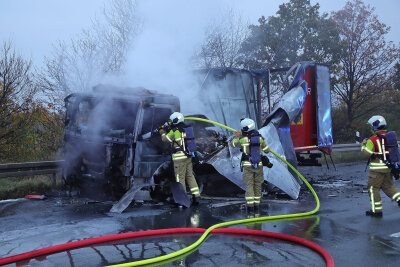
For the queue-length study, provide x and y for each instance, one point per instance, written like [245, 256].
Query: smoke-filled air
[129, 129]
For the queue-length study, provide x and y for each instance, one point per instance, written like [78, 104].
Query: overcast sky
[34, 25]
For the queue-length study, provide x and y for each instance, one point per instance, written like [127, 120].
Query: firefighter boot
[250, 209]
[256, 211]
[373, 214]
[195, 201]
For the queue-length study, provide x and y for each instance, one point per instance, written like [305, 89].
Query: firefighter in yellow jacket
[181, 157]
[251, 143]
[379, 175]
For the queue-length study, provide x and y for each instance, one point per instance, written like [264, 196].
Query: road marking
[11, 200]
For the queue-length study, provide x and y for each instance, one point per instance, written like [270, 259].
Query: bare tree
[99, 50]
[16, 95]
[363, 72]
[396, 76]
[122, 26]
[223, 42]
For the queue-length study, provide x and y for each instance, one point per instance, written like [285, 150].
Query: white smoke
[161, 56]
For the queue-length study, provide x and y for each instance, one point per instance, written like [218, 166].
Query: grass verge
[21, 186]
[349, 156]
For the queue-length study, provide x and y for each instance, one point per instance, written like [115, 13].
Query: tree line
[365, 67]
[32, 100]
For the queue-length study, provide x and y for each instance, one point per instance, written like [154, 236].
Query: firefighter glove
[364, 142]
[238, 134]
[161, 131]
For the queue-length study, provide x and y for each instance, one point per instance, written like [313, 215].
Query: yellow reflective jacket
[178, 145]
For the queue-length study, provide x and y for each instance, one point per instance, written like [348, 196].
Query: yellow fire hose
[225, 224]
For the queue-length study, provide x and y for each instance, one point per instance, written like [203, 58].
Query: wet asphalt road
[340, 227]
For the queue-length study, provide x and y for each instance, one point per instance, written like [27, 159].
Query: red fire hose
[164, 232]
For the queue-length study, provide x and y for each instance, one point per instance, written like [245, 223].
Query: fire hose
[255, 235]
[225, 224]
[187, 250]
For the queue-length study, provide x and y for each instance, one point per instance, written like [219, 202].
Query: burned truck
[112, 149]
[102, 149]
[111, 144]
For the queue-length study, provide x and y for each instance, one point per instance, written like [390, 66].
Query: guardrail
[346, 147]
[54, 167]
[30, 169]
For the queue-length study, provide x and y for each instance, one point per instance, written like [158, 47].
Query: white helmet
[176, 118]
[377, 122]
[247, 125]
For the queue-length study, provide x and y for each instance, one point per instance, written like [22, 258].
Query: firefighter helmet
[176, 118]
[247, 125]
[377, 123]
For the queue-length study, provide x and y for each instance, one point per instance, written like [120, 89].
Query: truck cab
[103, 146]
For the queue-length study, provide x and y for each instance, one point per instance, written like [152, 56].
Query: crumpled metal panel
[292, 103]
[276, 133]
[288, 109]
[298, 73]
[279, 174]
[324, 119]
[278, 127]
[228, 165]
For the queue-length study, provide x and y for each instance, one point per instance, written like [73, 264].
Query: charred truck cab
[103, 146]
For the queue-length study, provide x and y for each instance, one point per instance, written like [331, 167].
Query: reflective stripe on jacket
[178, 145]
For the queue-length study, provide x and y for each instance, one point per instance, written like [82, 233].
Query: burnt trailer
[299, 122]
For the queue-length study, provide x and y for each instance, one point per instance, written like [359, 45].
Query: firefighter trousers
[183, 169]
[253, 179]
[376, 182]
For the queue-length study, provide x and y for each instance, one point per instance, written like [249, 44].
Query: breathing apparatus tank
[389, 143]
[190, 141]
[249, 130]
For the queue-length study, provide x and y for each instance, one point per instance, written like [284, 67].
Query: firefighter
[379, 175]
[181, 158]
[251, 144]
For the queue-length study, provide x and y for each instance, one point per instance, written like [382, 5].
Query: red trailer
[313, 130]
